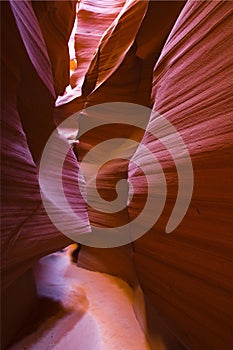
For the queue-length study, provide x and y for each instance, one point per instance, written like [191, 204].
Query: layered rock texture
[171, 56]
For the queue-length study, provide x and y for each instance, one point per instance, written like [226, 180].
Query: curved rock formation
[27, 121]
[185, 275]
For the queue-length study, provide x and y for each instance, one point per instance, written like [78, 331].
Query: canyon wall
[174, 57]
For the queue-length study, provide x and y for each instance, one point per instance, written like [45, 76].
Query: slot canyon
[116, 175]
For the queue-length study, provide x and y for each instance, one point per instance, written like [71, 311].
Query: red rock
[185, 275]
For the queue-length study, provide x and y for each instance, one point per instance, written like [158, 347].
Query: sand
[92, 310]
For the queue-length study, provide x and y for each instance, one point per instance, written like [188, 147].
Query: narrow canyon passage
[116, 138]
